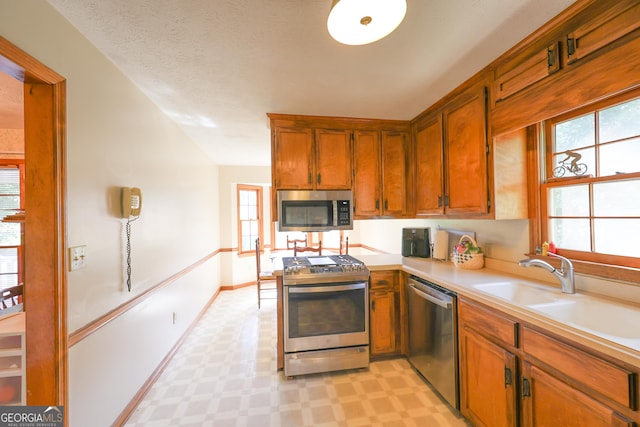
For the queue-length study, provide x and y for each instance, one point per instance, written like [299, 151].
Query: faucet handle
[566, 263]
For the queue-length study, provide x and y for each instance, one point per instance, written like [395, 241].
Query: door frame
[45, 290]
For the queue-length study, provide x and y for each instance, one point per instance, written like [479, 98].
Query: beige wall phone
[131, 202]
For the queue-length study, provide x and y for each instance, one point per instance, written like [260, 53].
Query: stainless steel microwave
[300, 210]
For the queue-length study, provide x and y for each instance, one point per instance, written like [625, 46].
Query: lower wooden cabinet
[515, 375]
[547, 401]
[487, 376]
[384, 313]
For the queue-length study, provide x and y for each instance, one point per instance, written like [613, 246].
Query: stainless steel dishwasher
[433, 336]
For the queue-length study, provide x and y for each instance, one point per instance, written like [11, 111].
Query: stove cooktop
[320, 269]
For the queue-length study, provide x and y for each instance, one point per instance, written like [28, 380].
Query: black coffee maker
[416, 242]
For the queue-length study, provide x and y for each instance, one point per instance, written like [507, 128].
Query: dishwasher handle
[430, 298]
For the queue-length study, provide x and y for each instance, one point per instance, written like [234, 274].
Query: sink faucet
[565, 274]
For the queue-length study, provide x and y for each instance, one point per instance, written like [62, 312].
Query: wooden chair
[262, 276]
[303, 249]
[345, 247]
[292, 243]
[11, 296]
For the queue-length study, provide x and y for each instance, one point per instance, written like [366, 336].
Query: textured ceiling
[218, 66]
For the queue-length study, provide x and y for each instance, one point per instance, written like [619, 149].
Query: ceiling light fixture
[357, 22]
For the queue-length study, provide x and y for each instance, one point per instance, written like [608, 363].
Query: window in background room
[592, 194]
[11, 230]
[249, 217]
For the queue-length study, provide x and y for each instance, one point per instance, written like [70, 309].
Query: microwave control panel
[344, 212]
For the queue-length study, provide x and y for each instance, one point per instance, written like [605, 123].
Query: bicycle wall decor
[570, 164]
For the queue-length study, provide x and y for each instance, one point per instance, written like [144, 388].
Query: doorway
[44, 243]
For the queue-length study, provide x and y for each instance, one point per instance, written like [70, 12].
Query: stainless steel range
[326, 314]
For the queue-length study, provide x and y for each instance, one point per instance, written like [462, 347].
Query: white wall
[506, 240]
[117, 137]
[239, 270]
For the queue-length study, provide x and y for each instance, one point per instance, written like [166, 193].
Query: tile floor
[225, 375]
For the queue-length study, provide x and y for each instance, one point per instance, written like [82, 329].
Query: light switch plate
[77, 257]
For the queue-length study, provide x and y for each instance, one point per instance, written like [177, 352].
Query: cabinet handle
[551, 59]
[439, 201]
[446, 201]
[309, 179]
[319, 179]
[526, 388]
[571, 45]
[386, 205]
[377, 204]
[373, 305]
[508, 376]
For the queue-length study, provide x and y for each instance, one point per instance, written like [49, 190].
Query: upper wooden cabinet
[308, 159]
[381, 165]
[395, 166]
[525, 69]
[585, 54]
[598, 30]
[428, 146]
[366, 177]
[293, 158]
[451, 152]
[333, 159]
[466, 151]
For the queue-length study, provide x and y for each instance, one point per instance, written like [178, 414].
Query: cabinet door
[333, 159]
[366, 159]
[428, 160]
[293, 159]
[620, 18]
[466, 181]
[382, 321]
[521, 73]
[547, 401]
[487, 382]
[394, 173]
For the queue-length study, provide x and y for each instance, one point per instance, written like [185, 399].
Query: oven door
[324, 316]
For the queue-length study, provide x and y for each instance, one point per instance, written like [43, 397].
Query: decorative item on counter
[552, 248]
[467, 254]
[545, 249]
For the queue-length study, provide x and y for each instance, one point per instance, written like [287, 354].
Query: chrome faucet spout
[565, 274]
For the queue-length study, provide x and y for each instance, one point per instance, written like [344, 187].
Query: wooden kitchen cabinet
[381, 164]
[547, 401]
[451, 152]
[293, 164]
[597, 30]
[384, 313]
[512, 374]
[333, 159]
[488, 367]
[429, 157]
[309, 159]
[466, 152]
[525, 69]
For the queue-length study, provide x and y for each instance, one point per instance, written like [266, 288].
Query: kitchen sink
[521, 293]
[601, 317]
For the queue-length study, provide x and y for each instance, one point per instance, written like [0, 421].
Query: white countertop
[624, 346]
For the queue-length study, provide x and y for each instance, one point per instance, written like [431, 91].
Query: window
[591, 199]
[249, 217]
[11, 244]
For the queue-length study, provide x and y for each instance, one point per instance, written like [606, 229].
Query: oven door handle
[331, 288]
[439, 302]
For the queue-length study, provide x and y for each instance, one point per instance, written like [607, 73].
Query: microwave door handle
[331, 288]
